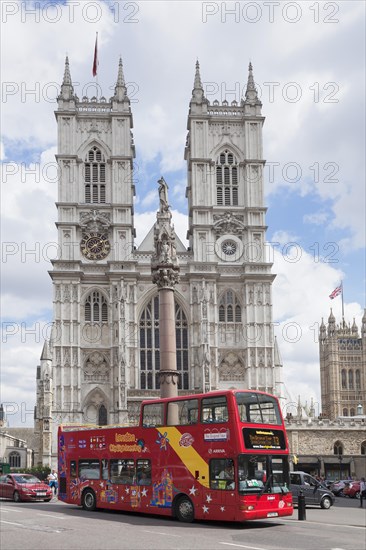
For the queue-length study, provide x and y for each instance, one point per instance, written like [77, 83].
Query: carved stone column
[165, 274]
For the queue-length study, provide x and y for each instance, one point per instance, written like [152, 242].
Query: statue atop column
[164, 265]
[163, 195]
[165, 274]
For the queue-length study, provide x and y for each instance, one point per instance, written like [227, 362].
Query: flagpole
[95, 64]
[342, 302]
[96, 76]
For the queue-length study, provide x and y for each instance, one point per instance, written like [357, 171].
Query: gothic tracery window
[94, 175]
[358, 379]
[344, 379]
[363, 448]
[229, 308]
[338, 448]
[150, 346]
[96, 308]
[350, 379]
[227, 179]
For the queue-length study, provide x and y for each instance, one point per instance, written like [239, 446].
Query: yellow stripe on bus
[188, 455]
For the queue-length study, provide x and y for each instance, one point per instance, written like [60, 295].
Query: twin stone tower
[129, 320]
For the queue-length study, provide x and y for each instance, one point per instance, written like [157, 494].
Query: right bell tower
[227, 232]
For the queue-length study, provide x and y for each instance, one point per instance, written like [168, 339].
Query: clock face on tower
[95, 246]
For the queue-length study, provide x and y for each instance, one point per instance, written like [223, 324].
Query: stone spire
[331, 324]
[120, 90]
[354, 329]
[46, 353]
[198, 96]
[251, 95]
[323, 331]
[252, 102]
[67, 89]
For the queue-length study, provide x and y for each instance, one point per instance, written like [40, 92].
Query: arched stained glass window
[150, 346]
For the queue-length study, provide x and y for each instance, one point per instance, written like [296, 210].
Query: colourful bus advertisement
[216, 456]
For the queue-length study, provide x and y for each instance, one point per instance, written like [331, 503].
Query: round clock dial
[95, 246]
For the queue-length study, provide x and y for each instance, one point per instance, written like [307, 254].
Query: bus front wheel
[88, 500]
[184, 509]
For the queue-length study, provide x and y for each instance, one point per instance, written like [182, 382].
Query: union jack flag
[336, 292]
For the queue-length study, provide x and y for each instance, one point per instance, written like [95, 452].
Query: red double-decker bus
[221, 455]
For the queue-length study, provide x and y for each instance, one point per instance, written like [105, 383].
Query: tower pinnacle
[198, 96]
[120, 90]
[251, 95]
[67, 89]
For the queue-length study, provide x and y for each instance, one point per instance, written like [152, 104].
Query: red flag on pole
[95, 62]
[336, 292]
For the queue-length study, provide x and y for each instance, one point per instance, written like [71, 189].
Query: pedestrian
[52, 481]
[362, 491]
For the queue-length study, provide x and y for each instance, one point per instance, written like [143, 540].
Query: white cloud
[326, 139]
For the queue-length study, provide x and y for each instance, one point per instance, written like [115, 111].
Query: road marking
[34, 527]
[242, 546]
[159, 533]
[327, 524]
[52, 516]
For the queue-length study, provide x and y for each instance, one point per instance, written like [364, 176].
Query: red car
[352, 490]
[20, 487]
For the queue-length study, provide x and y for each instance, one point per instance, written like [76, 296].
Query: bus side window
[153, 415]
[105, 469]
[127, 472]
[89, 469]
[214, 409]
[143, 470]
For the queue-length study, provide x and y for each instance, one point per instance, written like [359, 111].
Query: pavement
[336, 515]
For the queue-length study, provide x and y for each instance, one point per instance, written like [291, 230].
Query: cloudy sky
[309, 67]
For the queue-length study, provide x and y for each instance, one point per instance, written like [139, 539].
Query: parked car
[352, 490]
[338, 486]
[19, 487]
[314, 492]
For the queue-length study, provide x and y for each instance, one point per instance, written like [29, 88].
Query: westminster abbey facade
[103, 357]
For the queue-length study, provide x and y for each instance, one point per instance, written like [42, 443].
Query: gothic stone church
[103, 357]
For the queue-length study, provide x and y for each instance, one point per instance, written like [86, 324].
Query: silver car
[315, 493]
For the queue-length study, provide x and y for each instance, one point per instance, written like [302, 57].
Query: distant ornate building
[103, 357]
[342, 368]
[333, 449]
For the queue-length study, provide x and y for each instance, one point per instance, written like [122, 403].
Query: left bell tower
[85, 367]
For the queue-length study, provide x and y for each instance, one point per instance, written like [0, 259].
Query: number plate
[41, 494]
[272, 514]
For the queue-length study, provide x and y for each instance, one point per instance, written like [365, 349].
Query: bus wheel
[88, 500]
[184, 509]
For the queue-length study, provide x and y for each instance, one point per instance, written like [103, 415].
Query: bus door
[222, 485]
